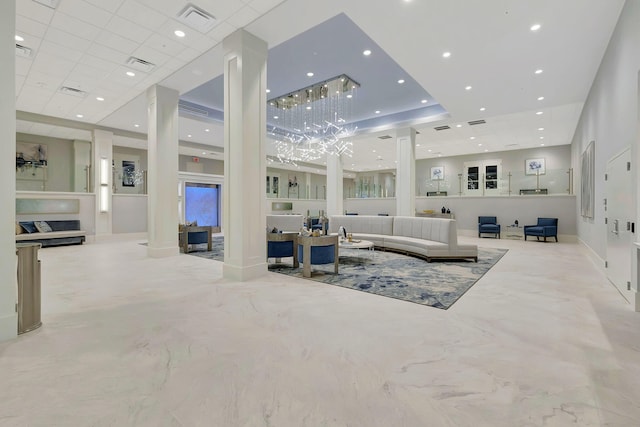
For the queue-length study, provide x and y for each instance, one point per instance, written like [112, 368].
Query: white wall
[610, 118]
[209, 166]
[139, 157]
[86, 214]
[60, 165]
[129, 213]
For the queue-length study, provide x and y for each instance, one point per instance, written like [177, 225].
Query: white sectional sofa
[285, 222]
[426, 237]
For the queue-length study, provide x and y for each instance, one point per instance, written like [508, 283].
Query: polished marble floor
[541, 340]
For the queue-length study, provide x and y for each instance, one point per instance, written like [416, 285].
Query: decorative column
[335, 188]
[8, 259]
[406, 172]
[103, 179]
[163, 172]
[245, 136]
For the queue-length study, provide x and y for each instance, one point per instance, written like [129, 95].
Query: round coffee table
[356, 244]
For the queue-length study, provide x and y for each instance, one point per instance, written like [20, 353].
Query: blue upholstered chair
[282, 245]
[322, 250]
[546, 227]
[489, 225]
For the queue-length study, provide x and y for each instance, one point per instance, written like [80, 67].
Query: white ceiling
[85, 43]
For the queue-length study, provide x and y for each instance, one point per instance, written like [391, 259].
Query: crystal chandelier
[314, 121]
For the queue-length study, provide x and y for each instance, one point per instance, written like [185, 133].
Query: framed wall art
[587, 186]
[437, 173]
[535, 167]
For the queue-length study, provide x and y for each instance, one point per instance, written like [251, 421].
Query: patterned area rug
[437, 284]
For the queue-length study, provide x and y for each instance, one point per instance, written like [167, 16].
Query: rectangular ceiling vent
[476, 122]
[49, 3]
[196, 18]
[23, 51]
[67, 90]
[385, 137]
[193, 110]
[445, 127]
[140, 64]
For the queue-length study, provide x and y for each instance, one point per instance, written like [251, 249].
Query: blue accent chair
[489, 225]
[546, 227]
[282, 245]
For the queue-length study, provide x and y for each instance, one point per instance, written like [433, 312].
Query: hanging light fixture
[314, 121]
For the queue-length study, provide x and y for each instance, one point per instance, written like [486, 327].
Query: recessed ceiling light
[539, 113]
[542, 145]
[366, 52]
[309, 107]
[482, 108]
[374, 151]
[480, 145]
[19, 39]
[539, 71]
[204, 152]
[206, 130]
[542, 137]
[439, 155]
[473, 137]
[79, 116]
[458, 126]
[540, 98]
[309, 74]
[179, 33]
[486, 150]
[136, 125]
[535, 27]
[429, 150]
[400, 81]
[540, 128]
[377, 111]
[424, 101]
[189, 136]
[276, 117]
[446, 54]
[131, 74]
[268, 90]
[467, 88]
[99, 98]
[349, 96]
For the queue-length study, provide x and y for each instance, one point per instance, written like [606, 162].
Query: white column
[8, 259]
[163, 172]
[103, 171]
[335, 188]
[406, 172]
[245, 106]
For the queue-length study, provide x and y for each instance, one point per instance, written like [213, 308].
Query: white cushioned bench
[426, 237]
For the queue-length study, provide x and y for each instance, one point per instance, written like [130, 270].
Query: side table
[514, 232]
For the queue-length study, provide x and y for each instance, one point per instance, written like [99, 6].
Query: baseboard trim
[244, 273]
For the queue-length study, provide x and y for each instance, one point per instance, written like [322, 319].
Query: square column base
[8, 327]
[238, 273]
[163, 252]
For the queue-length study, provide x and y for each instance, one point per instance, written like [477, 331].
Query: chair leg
[556, 238]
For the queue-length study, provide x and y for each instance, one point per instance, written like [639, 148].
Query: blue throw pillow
[29, 227]
[42, 226]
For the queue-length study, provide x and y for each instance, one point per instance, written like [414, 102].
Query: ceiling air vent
[72, 91]
[445, 127]
[385, 137]
[193, 110]
[23, 51]
[140, 64]
[476, 122]
[196, 18]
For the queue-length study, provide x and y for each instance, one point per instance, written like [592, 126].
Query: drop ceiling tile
[263, 6]
[128, 29]
[44, 80]
[243, 17]
[110, 6]
[188, 54]
[114, 41]
[19, 82]
[166, 7]
[47, 63]
[23, 65]
[221, 10]
[29, 26]
[119, 76]
[175, 64]
[97, 74]
[164, 45]
[67, 39]
[80, 28]
[61, 51]
[108, 54]
[151, 55]
[86, 12]
[34, 11]
[144, 16]
[98, 63]
[220, 31]
[23, 126]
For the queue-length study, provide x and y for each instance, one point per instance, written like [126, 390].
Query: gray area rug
[437, 284]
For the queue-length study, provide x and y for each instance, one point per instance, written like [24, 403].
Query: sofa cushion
[19, 229]
[42, 226]
[29, 227]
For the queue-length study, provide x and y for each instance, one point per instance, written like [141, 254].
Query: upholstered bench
[51, 233]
